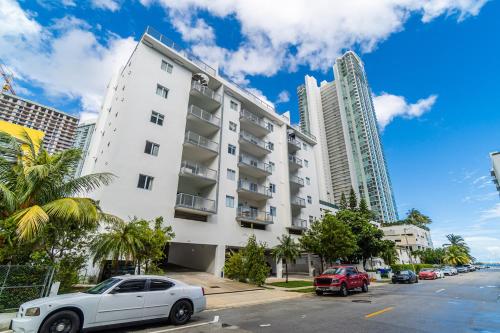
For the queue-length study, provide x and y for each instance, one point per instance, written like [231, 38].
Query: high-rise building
[83, 137]
[495, 169]
[342, 114]
[59, 128]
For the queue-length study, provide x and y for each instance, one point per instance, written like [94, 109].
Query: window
[270, 146]
[272, 187]
[156, 285]
[152, 148]
[233, 105]
[161, 91]
[304, 145]
[145, 182]
[270, 127]
[233, 126]
[272, 165]
[131, 286]
[309, 199]
[272, 211]
[231, 174]
[308, 181]
[306, 163]
[167, 67]
[157, 118]
[229, 201]
[231, 149]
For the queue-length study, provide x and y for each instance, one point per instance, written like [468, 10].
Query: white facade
[215, 161]
[408, 238]
[495, 169]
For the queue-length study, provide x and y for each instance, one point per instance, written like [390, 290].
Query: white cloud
[492, 213]
[283, 97]
[65, 60]
[388, 106]
[111, 5]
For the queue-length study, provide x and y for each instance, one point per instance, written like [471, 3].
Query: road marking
[216, 319]
[265, 325]
[373, 314]
[440, 290]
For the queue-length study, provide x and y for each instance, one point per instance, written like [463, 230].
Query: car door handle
[139, 296]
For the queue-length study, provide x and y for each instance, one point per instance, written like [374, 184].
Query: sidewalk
[245, 298]
[5, 320]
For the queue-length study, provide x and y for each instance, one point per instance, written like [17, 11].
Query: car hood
[72, 298]
[330, 276]
[426, 273]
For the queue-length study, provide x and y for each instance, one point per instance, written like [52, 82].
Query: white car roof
[160, 277]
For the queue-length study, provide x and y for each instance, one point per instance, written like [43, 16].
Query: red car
[427, 274]
[341, 279]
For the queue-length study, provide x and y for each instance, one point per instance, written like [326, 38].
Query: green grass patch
[305, 290]
[292, 284]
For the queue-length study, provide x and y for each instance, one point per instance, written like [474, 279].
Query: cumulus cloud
[492, 213]
[111, 5]
[283, 97]
[388, 106]
[65, 59]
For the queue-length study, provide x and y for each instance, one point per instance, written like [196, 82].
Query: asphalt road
[464, 303]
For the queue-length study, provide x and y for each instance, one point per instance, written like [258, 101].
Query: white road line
[440, 290]
[216, 319]
[265, 325]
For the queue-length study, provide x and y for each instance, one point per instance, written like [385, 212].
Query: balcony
[250, 215]
[253, 167]
[202, 121]
[298, 202]
[205, 96]
[293, 144]
[198, 174]
[197, 146]
[253, 191]
[294, 163]
[298, 224]
[253, 123]
[296, 183]
[253, 145]
[194, 204]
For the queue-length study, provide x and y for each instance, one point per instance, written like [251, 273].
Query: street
[464, 303]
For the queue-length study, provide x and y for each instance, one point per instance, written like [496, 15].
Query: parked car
[405, 277]
[427, 274]
[116, 301]
[462, 269]
[439, 272]
[448, 270]
[470, 268]
[341, 279]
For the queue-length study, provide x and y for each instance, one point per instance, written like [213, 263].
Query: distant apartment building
[349, 150]
[218, 163]
[495, 169]
[59, 128]
[408, 238]
[83, 137]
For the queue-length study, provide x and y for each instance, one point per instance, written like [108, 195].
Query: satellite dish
[202, 78]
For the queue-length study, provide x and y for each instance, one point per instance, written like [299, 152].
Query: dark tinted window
[160, 285]
[131, 286]
[351, 271]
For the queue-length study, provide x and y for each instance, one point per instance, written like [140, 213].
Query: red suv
[341, 279]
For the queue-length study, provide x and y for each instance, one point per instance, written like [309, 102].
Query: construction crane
[8, 78]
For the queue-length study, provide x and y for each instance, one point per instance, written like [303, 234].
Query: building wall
[495, 169]
[409, 236]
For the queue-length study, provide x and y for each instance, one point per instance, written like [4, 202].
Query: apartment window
[152, 148]
[231, 149]
[145, 182]
[309, 199]
[306, 163]
[157, 118]
[308, 181]
[167, 67]
[272, 211]
[272, 188]
[270, 146]
[229, 201]
[161, 91]
[272, 165]
[311, 219]
[304, 145]
[231, 174]
[233, 105]
[233, 126]
[270, 127]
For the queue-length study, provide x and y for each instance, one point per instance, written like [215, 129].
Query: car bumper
[328, 288]
[25, 325]
[199, 304]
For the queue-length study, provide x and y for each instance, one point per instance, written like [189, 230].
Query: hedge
[410, 267]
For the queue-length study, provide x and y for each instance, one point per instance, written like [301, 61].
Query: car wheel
[181, 312]
[364, 288]
[319, 292]
[343, 290]
[61, 322]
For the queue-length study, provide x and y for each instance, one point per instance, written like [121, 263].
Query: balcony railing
[198, 170]
[195, 202]
[297, 180]
[297, 201]
[204, 115]
[254, 119]
[198, 140]
[294, 142]
[306, 133]
[253, 187]
[248, 214]
[295, 160]
[252, 139]
[299, 223]
[206, 91]
[250, 161]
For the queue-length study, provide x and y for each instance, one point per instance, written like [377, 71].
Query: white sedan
[439, 273]
[117, 301]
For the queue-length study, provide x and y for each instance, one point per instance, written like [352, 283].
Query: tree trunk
[286, 270]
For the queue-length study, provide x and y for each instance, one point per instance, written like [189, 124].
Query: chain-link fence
[22, 283]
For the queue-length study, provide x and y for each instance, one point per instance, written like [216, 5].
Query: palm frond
[84, 184]
[76, 209]
[29, 221]
[7, 198]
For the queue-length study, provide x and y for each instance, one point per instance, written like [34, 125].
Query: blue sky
[433, 67]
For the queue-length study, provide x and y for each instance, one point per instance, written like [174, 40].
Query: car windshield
[403, 273]
[103, 286]
[426, 270]
[334, 271]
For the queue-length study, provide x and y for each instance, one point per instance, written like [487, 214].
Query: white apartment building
[408, 238]
[215, 161]
[495, 169]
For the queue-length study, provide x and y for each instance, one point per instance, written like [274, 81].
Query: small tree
[154, 241]
[311, 241]
[389, 252]
[286, 250]
[248, 264]
[353, 201]
[337, 240]
[234, 268]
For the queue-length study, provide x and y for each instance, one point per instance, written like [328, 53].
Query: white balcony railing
[206, 91]
[248, 214]
[198, 170]
[253, 187]
[253, 139]
[297, 180]
[200, 141]
[299, 223]
[295, 160]
[297, 201]
[250, 161]
[204, 115]
[195, 202]
[245, 114]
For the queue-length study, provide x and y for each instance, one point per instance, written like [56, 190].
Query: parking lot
[464, 303]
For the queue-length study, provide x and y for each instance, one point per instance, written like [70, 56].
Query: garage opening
[197, 257]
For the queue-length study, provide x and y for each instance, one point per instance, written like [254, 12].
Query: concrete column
[220, 259]
[279, 268]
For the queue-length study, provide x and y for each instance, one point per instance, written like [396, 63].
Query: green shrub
[412, 267]
[233, 268]
[248, 264]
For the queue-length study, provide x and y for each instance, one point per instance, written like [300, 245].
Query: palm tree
[455, 255]
[37, 187]
[457, 240]
[415, 217]
[287, 249]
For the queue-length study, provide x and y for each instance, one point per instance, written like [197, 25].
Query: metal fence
[22, 283]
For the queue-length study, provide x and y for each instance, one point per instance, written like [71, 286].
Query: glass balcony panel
[195, 202]
[198, 170]
[198, 140]
[204, 115]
